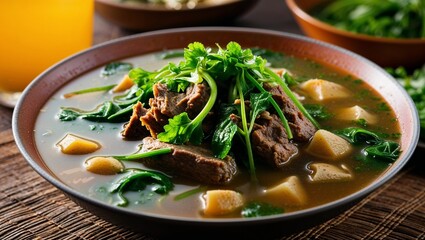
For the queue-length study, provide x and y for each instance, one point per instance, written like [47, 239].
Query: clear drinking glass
[36, 34]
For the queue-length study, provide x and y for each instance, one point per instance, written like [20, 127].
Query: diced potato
[321, 90]
[221, 202]
[280, 71]
[126, 83]
[323, 172]
[356, 113]
[103, 165]
[290, 192]
[328, 145]
[75, 145]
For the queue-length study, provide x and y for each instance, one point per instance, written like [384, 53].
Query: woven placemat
[31, 208]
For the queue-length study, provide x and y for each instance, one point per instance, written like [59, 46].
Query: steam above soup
[217, 133]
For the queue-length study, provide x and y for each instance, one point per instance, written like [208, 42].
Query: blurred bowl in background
[138, 16]
[386, 52]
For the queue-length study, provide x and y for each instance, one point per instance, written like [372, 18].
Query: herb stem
[245, 129]
[89, 90]
[291, 95]
[138, 156]
[275, 106]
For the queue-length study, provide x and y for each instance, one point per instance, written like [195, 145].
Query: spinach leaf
[137, 180]
[385, 151]
[115, 67]
[360, 136]
[259, 103]
[225, 131]
[376, 148]
[318, 111]
[106, 112]
[259, 209]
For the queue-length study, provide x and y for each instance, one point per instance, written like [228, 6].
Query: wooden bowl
[47, 84]
[145, 16]
[387, 52]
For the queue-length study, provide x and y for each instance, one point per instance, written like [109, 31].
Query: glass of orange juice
[36, 34]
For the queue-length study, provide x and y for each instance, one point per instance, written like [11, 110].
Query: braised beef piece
[171, 103]
[133, 129]
[269, 140]
[301, 127]
[164, 105]
[193, 162]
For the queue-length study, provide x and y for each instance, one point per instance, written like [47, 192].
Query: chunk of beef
[166, 104]
[270, 141]
[154, 121]
[197, 96]
[133, 129]
[193, 162]
[171, 103]
[301, 127]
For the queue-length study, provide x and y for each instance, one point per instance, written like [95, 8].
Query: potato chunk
[75, 145]
[281, 71]
[323, 172]
[103, 165]
[356, 113]
[290, 192]
[328, 145]
[126, 83]
[221, 202]
[321, 90]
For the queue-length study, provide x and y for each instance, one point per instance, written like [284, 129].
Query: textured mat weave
[31, 208]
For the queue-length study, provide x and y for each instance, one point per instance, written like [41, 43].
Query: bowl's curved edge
[25, 143]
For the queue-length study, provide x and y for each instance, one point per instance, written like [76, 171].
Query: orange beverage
[37, 34]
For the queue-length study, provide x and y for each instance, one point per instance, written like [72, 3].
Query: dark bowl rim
[301, 13]
[161, 9]
[385, 177]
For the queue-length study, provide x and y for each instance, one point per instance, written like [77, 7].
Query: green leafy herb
[414, 83]
[106, 112]
[255, 209]
[225, 131]
[89, 90]
[382, 18]
[172, 54]
[137, 180]
[274, 58]
[385, 151]
[378, 148]
[318, 111]
[115, 67]
[189, 193]
[137, 156]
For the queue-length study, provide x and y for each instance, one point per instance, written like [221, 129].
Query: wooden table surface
[31, 208]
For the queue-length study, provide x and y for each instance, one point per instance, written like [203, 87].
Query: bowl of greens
[177, 133]
[145, 15]
[390, 33]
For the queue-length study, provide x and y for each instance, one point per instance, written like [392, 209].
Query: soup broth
[49, 130]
